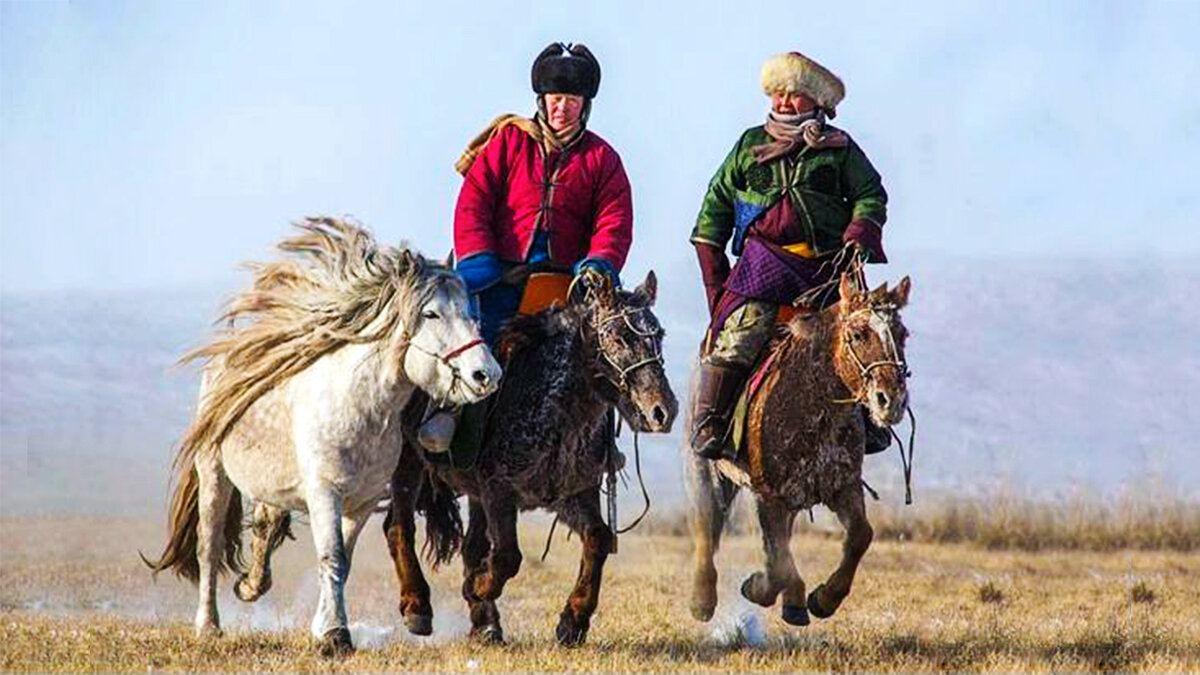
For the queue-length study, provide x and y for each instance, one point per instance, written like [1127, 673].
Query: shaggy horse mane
[524, 330]
[338, 288]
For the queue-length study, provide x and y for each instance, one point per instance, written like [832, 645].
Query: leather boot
[878, 439]
[719, 389]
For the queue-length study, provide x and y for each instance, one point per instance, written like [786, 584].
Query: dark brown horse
[545, 446]
[804, 446]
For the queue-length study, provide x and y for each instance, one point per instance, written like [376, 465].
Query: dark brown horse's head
[868, 348]
[628, 344]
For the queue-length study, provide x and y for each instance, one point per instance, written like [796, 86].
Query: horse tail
[183, 522]
[443, 522]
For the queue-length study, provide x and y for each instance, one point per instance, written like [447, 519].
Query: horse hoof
[490, 634]
[702, 612]
[796, 616]
[245, 593]
[570, 632]
[814, 605]
[419, 624]
[208, 632]
[748, 591]
[336, 642]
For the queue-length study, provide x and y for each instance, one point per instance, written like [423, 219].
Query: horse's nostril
[659, 414]
[881, 398]
[480, 376]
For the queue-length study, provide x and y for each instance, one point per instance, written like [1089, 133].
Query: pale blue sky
[156, 145]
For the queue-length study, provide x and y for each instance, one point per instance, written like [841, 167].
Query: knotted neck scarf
[795, 132]
[558, 140]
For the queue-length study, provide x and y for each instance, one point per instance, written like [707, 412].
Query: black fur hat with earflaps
[566, 69]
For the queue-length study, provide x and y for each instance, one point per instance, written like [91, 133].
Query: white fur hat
[793, 72]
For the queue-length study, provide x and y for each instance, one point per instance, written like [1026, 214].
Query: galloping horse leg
[710, 494]
[582, 514]
[329, 624]
[270, 526]
[215, 491]
[780, 574]
[399, 529]
[485, 618]
[504, 559]
[851, 511]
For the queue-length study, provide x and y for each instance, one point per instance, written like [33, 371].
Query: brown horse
[545, 446]
[804, 446]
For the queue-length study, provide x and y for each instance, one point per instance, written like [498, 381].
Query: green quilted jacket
[829, 188]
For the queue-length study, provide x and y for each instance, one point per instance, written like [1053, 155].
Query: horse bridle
[447, 359]
[622, 380]
[891, 352]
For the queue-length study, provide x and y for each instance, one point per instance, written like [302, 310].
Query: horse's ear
[648, 290]
[846, 290]
[900, 292]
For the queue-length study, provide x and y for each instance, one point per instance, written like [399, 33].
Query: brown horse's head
[628, 344]
[868, 345]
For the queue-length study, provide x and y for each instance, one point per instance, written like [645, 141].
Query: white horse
[300, 405]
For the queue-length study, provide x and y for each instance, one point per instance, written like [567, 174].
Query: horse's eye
[430, 314]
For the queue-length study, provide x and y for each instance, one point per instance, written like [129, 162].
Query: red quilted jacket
[585, 205]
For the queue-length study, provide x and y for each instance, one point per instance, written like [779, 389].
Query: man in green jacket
[791, 194]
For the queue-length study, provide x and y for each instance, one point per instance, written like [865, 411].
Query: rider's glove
[867, 235]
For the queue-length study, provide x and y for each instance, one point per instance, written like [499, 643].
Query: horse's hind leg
[780, 575]
[710, 495]
[485, 618]
[400, 531]
[582, 514]
[851, 511]
[270, 526]
[215, 492]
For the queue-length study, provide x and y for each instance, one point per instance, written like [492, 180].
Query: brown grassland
[946, 592]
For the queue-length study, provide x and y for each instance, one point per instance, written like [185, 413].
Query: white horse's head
[445, 356]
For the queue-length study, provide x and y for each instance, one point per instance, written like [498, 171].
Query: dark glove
[867, 235]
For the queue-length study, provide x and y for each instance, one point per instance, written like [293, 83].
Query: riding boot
[719, 389]
[878, 438]
[436, 434]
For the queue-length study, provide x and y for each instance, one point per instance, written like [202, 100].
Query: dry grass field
[75, 598]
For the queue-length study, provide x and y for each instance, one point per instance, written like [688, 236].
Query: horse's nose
[481, 377]
[659, 413]
[882, 399]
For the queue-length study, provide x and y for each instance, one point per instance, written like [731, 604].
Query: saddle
[758, 374]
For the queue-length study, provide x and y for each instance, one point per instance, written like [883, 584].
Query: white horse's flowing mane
[338, 288]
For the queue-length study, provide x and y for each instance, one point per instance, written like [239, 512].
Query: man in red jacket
[542, 192]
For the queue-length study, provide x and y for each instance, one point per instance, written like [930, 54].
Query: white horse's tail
[183, 520]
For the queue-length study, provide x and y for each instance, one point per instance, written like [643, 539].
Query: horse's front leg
[780, 574]
[504, 559]
[582, 514]
[399, 529]
[329, 624]
[270, 527]
[710, 495]
[485, 618]
[852, 512]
